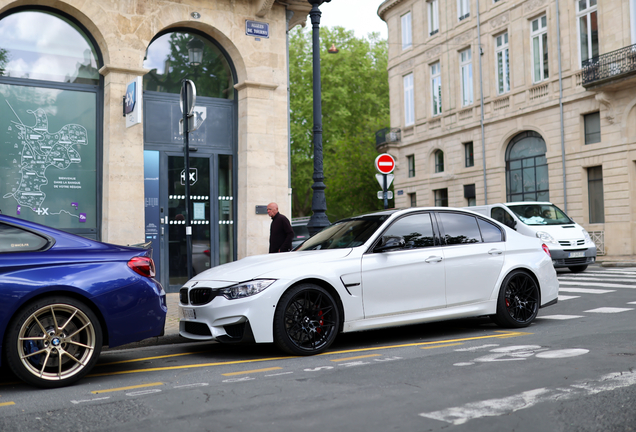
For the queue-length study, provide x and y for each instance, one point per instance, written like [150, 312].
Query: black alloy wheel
[53, 341]
[518, 301]
[306, 321]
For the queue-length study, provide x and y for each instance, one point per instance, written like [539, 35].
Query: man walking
[280, 232]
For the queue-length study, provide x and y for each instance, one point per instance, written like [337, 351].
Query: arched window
[168, 61]
[439, 161]
[50, 118]
[42, 45]
[527, 168]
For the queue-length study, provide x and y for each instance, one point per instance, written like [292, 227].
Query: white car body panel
[356, 276]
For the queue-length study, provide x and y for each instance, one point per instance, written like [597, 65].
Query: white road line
[585, 290]
[588, 279]
[477, 347]
[562, 298]
[609, 310]
[559, 317]
[282, 373]
[502, 406]
[89, 400]
[604, 285]
[143, 392]
[191, 385]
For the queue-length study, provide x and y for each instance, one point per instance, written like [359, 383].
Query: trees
[355, 104]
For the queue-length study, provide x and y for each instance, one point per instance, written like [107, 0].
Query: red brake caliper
[320, 321]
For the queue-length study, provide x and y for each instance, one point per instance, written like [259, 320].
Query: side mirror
[511, 224]
[390, 242]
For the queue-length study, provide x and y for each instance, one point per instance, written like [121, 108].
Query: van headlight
[246, 289]
[586, 235]
[544, 236]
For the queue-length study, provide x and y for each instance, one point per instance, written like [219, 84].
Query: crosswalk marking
[568, 278]
[585, 290]
[609, 310]
[563, 297]
[597, 284]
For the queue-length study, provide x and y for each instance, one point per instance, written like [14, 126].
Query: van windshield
[540, 214]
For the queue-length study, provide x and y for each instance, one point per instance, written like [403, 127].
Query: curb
[618, 264]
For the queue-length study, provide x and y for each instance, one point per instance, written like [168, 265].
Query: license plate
[188, 313]
[576, 255]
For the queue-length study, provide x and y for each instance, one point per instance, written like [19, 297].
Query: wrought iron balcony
[609, 67]
[387, 136]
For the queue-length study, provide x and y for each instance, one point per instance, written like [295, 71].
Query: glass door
[200, 215]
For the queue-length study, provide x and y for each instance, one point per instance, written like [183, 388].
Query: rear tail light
[207, 252]
[546, 250]
[142, 265]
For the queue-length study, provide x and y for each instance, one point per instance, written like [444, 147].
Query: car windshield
[347, 233]
[540, 214]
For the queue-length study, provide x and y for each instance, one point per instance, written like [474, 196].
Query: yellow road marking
[252, 371]
[149, 358]
[127, 388]
[6, 404]
[355, 358]
[502, 334]
[442, 346]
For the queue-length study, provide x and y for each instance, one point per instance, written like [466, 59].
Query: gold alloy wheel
[56, 342]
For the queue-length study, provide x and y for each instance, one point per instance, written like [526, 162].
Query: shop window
[50, 115]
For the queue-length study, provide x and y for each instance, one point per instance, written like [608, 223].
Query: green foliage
[4, 57]
[355, 104]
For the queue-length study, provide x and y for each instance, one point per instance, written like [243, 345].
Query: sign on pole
[385, 163]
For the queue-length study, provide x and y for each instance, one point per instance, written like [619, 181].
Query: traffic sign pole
[188, 97]
[384, 194]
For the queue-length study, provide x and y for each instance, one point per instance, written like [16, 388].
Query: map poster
[48, 156]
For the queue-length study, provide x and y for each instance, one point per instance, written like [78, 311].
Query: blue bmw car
[63, 297]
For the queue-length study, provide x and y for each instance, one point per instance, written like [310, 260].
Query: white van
[570, 245]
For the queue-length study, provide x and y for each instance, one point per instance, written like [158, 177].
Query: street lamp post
[318, 219]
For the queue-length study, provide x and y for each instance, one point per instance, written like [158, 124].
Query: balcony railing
[612, 65]
[387, 135]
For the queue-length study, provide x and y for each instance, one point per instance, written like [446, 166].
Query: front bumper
[205, 316]
[572, 257]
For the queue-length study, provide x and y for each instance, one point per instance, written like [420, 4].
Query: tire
[306, 321]
[53, 342]
[518, 301]
[578, 269]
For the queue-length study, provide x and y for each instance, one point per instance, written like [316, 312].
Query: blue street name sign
[256, 29]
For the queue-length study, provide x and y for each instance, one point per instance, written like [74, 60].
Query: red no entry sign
[385, 163]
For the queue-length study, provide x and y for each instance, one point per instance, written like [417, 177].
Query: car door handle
[495, 251]
[433, 259]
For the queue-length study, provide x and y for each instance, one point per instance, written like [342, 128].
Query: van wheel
[577, 269]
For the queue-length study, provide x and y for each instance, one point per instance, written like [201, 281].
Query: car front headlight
[544, 236]
[586, 235]
[246, 289]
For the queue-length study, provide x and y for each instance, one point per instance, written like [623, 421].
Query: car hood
[277, 265]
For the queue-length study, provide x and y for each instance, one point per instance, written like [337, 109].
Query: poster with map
[48, 156]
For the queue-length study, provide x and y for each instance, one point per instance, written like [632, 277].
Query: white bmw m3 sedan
[390, 268]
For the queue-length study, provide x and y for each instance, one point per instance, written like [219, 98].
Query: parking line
[6, 404]
[252, 371]
[442, 346]
[355, 358]
[499, 334]
[127, 388]
[148, 358]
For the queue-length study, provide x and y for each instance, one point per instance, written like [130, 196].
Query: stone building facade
[69, 160]
[557, 120]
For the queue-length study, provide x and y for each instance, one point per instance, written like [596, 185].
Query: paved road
[573, 370]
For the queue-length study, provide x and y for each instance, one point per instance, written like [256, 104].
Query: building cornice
[386, 6]
[255, 84]
[107, 69]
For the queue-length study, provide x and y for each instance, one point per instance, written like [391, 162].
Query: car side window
[489, 232]
[460, 228]
[13, 239]
[417, 231]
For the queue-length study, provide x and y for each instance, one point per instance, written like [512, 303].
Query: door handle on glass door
[433, 259]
